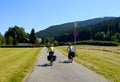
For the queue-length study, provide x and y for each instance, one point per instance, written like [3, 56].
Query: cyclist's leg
[69, 58]
[51, 58]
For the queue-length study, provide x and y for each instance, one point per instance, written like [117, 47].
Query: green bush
[100, 43]
[91, 42]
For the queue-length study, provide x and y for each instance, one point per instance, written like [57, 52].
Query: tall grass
[15, 63]
[103, 60]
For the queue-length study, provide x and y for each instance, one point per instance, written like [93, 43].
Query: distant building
[24, 42]
[39, 40]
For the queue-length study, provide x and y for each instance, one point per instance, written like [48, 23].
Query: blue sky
[40, 14]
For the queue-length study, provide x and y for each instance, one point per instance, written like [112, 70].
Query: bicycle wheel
[71, 59]
[51, 61]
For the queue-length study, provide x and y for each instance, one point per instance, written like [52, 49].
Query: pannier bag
[49, 58]
[73, 54]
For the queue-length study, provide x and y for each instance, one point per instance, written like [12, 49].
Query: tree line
[15, 34]
[56, 30]
[104, 31]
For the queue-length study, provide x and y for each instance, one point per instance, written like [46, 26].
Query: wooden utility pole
[75, 35]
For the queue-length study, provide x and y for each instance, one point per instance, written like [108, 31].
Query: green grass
[15, 63]
[103, 60]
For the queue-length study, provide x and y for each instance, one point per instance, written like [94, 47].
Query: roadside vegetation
[15, 63]
[101, 59]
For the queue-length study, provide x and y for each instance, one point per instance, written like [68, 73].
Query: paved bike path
[61, 71]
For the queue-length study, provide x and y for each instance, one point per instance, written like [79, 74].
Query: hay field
[15, 63]
[103, 60]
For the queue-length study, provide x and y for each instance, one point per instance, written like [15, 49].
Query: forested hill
[56, 30]
[104, 31]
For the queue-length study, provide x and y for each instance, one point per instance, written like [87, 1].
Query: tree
[55, 43]
[107, 36]
[2, 39]
[100, 36]
[116, 37]
[16, 32]
[10, 40]
[33, 37]
[48, 40]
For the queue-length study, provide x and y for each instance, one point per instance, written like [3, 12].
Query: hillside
[53, 31]
[103, 31]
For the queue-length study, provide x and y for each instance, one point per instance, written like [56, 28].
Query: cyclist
[51, 49]
[51, 57]
[70, 53]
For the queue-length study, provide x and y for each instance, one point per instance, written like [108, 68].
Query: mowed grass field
[15, 63]
[103, 60]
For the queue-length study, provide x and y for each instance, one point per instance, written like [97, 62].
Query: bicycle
[51, 59]
[71, 56]
[70, 60]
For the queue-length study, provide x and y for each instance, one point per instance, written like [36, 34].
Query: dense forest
[56, 30]
[104, 31]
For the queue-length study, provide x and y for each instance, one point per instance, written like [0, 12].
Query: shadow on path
[43, 65]
[64, 62]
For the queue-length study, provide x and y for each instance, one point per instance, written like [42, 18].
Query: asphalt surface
[61, 71]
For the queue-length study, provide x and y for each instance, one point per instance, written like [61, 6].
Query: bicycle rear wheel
[70, 60]
[51, 61]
